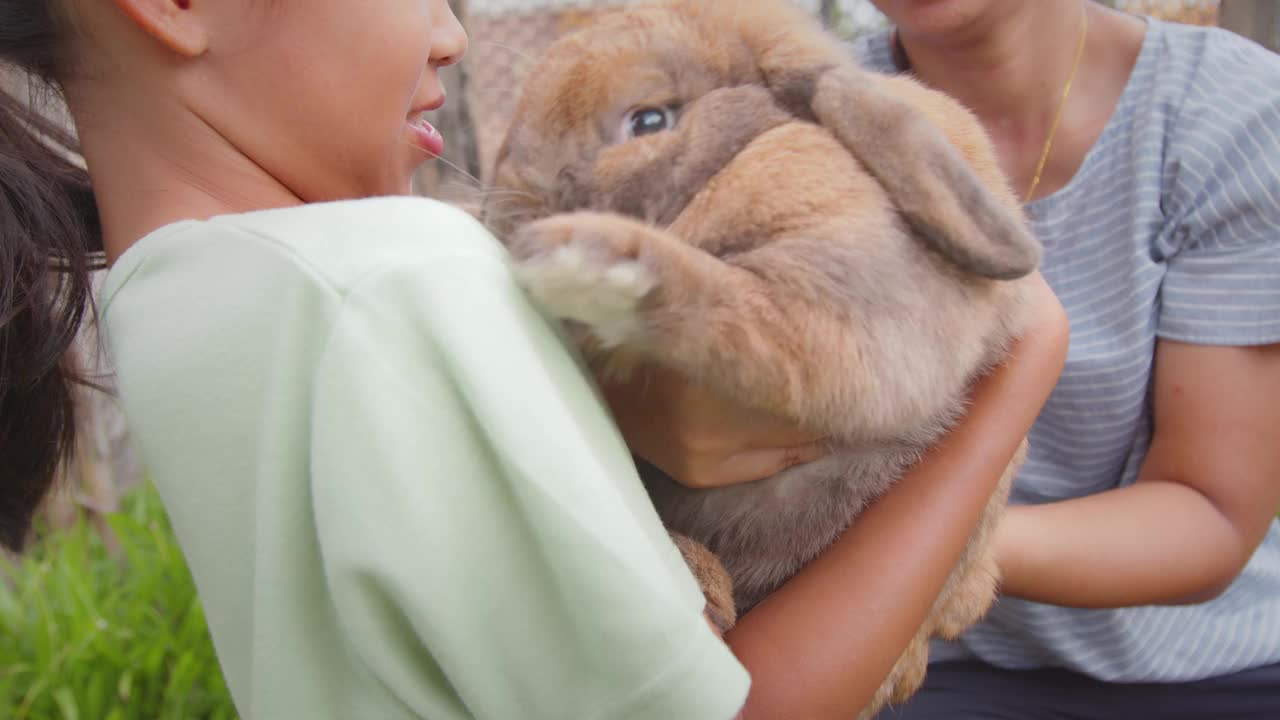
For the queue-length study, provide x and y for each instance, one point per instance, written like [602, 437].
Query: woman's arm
[821, 645]
[1204, 499]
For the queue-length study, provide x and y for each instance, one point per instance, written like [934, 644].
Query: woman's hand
[700, 439]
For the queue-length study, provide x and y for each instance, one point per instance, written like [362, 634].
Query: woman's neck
[1007, 66]
[1010, 71]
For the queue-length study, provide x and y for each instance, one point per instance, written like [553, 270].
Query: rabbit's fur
[827, 244]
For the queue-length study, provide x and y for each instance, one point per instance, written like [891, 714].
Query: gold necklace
[904, 62]
[1066, 92]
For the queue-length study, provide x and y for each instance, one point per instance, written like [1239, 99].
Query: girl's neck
[154, 162]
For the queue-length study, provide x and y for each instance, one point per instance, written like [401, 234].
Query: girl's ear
[176, 24]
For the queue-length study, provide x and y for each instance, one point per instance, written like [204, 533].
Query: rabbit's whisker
[461, 171]
[513, 50]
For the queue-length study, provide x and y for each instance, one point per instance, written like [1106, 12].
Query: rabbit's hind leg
[903, 680]
[714, 580]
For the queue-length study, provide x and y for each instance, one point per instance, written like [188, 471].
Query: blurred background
[98, 620]
[507, 36]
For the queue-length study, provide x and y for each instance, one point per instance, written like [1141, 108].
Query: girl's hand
[702, 440]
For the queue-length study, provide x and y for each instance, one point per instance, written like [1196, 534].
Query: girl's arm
[823, 643]
[1207, 493]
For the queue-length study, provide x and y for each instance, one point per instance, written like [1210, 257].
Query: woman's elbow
[1209, 591]
[1214, 581]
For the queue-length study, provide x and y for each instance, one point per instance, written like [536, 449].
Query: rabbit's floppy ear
[937, 193]
[934, 189]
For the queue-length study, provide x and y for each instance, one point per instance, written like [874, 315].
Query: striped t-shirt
[1170, 229]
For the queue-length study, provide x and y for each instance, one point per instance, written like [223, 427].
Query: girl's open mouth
[426, 137]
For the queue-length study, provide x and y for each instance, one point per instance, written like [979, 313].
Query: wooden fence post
[1258, 20]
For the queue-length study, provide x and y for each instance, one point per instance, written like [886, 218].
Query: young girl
[398, 494]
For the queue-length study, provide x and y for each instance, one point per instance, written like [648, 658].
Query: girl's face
[326, 95]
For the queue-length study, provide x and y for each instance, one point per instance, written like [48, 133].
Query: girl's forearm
[821, 645]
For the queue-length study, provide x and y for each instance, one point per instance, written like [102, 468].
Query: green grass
[85, 636]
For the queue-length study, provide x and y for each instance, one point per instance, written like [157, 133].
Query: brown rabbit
[714, 187]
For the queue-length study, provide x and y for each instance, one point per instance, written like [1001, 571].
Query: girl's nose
[449, 39]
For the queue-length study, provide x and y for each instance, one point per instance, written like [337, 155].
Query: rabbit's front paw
[586, 268]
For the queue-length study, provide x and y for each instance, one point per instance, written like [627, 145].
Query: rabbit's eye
[647, 121]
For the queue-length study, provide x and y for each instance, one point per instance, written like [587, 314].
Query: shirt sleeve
[482, 526]
[1222, 282]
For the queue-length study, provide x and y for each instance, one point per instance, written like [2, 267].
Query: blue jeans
[977, 691]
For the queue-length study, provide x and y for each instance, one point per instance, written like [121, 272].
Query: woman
[398, 494]
[1142, 562]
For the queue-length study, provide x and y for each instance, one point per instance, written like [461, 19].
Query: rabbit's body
[887, 383]
[771, 245]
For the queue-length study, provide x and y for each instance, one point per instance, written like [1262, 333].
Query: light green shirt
[398, 493]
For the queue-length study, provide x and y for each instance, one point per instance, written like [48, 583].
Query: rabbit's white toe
[603, 293]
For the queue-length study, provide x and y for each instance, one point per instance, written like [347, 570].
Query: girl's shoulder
[330, 246]
[336, 243]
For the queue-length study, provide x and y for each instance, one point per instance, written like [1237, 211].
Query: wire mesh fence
[1192, 12]
[507, 36]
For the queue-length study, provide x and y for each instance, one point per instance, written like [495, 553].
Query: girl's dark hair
[50, 240]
